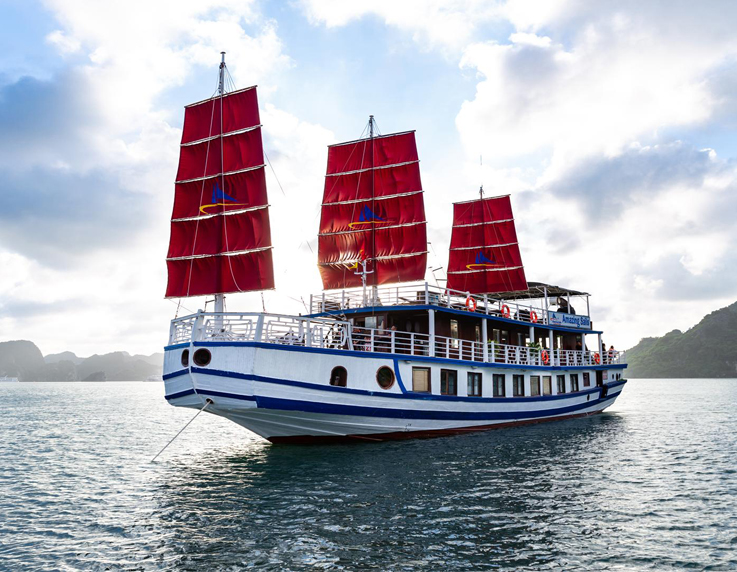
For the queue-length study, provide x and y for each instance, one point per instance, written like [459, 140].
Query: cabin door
[599, 378]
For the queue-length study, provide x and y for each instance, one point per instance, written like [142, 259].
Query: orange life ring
[533, 317]
[471, 304]
[545, 356]
[505, 311]
[597, 358]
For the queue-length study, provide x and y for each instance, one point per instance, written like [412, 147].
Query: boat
[381, 353]
[6, 379]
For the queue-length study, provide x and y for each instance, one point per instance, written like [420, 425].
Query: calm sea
[649, 485]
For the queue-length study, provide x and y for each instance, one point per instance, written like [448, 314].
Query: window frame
[344, 377]
[538, 385]
[586, 379]
[391, 371]
[429, 379]
[574, 383]
[495, 379]
[518, 378]
[480, 378]
[547, 386]
[560, 381]
[445, 379]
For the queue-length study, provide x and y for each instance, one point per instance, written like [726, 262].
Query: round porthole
[202, 357]
[385, 377]
[185, 358]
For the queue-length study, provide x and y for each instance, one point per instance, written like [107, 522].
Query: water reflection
[500, 496]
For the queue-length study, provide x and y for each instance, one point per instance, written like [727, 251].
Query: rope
[207, 402]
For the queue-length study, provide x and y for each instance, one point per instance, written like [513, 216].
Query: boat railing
[342, 335]
[426, 294]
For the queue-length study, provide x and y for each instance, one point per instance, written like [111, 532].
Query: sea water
[651, 484]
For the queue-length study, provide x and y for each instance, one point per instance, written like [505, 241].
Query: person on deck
[564, 307]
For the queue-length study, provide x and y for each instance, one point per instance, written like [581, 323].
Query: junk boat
[383, 354]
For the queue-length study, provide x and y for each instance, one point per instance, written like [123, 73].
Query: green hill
[709, 349]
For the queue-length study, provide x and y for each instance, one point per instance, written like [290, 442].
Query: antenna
[481, 165]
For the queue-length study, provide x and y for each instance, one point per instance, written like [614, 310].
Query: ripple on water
[649, 485]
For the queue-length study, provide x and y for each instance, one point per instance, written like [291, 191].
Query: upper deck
[531, 307]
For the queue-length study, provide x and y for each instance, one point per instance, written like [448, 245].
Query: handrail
[427, 294]
[305, 331]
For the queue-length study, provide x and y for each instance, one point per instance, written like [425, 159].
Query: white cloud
[432, 23]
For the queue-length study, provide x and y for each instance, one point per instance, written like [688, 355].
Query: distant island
[709, 349]
[23, 359]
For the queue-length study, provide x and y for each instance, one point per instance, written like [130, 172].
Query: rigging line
[222, 178]
[202, 194]
[274, 173]
[208, 401]
[355, 198]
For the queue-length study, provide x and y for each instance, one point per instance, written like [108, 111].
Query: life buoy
[505, 311]
[545, 356]
[471, 304]
[597, 359]
[533, 317]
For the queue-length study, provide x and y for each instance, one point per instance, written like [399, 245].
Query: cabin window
[518, 389]
[587, 379]
[474, 384]
[547, 385]
[499, 382]
[561, 383]
[454, 333]
[202, 357]
[385, 377]
[371, 322]
[496, 335]
[534, 385]
[448, 382]
[478, 333]
[339, 376]
[421, 379]
[185, 358]
[574, 382]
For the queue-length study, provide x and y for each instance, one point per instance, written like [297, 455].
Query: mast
[220, 298]
[374, 289]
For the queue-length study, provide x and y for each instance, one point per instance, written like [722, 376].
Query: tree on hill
[709, 349]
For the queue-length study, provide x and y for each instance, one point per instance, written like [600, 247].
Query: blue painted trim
[230, 395]
[399, 375]
[176, 346]
[405, 395]
[312, 407]
[379, 355]
[275, 403]
[449, 311]
[180, 394]
[175, 374]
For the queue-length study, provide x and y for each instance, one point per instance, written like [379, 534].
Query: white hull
[282, 394]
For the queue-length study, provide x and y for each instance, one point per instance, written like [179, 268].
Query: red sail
[202, 120]
[484, 253]
[220, 234]
[373, 210]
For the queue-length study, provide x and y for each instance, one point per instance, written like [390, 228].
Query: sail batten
[220, 229]
[373, 211]
[484, 252]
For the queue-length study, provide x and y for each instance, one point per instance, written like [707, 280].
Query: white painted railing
[426, 294]
[339, 334]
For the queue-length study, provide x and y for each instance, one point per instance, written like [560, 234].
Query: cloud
[433, 23]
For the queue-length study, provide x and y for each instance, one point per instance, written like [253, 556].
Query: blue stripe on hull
[283, 404]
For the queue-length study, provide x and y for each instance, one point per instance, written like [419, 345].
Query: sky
[613, 125]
